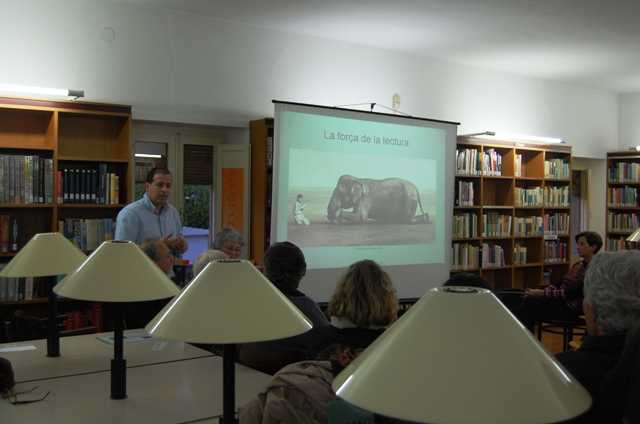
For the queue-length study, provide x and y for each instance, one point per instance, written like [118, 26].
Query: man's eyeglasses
[13, 396]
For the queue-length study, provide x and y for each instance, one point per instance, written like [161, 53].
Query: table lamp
[459, 356]
[47, 255]
[117, 271]
[633, 239]
[229, 302]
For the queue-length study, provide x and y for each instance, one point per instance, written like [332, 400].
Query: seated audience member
[284, 265]
[363, 305]
[203, 259]
[611, 308]
[467, 279]
[230, 241]
[563, 300]
[138, 314]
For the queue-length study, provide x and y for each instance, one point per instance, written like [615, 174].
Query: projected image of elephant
[389, 201]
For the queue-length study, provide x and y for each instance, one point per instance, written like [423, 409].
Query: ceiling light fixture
[27, 89]
[518, 138]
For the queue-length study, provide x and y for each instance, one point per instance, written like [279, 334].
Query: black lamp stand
[118, 363]
[53, 332]
[228, 384]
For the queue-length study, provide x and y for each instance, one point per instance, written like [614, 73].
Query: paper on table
[130, 338]
[15, 347]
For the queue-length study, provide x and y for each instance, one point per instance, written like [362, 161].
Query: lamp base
[118, 379]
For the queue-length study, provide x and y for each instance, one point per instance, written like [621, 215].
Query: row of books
[80, 185]
[474, 162]
[528, 196]
[623, 222]
[528, 226]
[556, 223]
[519, 255]
[557, 169]
[92, 315]
[491, 163]
[555, 251]
[26, 179]
[624, 196]
[87, 234]
[557, 196]
[613, 244]
[495, 224]
[465, 225]
[14, 288]
[468, 162]
[517, 166]
[464, 194]
[624, 172]
[466, 256]
[9, 226]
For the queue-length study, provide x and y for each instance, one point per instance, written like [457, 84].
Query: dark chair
[621, 387]
[267, 361]
[568, 329]
[32, 328]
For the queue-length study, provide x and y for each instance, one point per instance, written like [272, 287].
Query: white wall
[629, 123]
[184, 68]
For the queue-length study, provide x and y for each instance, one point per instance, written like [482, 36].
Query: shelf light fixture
[27, 89]
[517, 138]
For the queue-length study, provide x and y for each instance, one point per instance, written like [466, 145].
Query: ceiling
[590, 43]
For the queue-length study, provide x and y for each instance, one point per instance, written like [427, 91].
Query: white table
[86, 354]
[170, 392]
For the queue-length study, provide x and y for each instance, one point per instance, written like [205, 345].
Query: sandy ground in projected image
[321, 233]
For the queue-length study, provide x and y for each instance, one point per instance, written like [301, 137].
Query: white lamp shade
[461, 358]
[117, 271]
[230, 301]
[635, 237]
[46, 254]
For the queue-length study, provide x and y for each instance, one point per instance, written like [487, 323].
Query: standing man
[153, 217]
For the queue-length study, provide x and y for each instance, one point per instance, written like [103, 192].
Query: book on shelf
[60, 188]
[5, 233]
[14, 227]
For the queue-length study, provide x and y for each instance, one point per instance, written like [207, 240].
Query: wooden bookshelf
[261, 139]
[521, 196]
[623, 206]
[70, 134]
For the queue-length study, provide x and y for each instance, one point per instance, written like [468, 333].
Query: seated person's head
[284, 264]
[230, 241]
[592, 239]
[365, 295]
[466, 279]
[612, 292]
[203, 259]
[158, 252]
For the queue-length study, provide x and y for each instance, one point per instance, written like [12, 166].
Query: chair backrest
[621, 387]
[28, 328]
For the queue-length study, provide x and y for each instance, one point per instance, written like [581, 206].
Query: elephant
[390, 201]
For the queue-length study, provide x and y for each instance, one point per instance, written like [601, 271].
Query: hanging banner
[233, 198]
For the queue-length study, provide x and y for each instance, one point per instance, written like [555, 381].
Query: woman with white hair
[611, 307]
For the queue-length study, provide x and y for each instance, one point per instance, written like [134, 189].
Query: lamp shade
[229, 301]
[46, 254]
[635, 237]
[459, 356]
[117, 271]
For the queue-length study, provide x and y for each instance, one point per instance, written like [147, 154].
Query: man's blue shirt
[140, 220]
